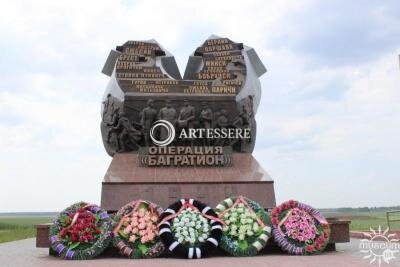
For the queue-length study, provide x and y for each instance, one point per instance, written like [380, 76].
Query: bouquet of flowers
[247, 226]
[80, 232]
[299, 229]
[190, 229]
[136, 232]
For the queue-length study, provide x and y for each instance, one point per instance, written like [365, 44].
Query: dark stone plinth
[340, 230]
[125, 181]
[42, 235]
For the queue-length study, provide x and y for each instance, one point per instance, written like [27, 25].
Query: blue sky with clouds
[328, 123]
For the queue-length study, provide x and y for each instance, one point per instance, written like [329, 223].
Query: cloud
[342, 32]
[346, 145]
[52, 112]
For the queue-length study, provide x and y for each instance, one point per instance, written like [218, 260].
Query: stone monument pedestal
[125, 181]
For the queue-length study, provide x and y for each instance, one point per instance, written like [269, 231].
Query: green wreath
[247, 226]
[80, 232]
[135, 230]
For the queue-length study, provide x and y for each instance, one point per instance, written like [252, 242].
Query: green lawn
[15, 228]
[365, 220]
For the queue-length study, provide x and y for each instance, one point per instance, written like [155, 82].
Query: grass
[363, 220]
[16, 228]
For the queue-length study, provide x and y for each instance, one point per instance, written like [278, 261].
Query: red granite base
[125, 181]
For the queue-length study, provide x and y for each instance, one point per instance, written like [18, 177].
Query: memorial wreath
[80, 232]
[190, 229]
[247, 226]
[135, 232]
[299, 229]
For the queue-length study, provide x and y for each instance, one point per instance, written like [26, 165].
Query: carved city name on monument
[138, 61]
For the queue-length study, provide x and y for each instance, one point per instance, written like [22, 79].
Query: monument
[193, 137]
[172, 137]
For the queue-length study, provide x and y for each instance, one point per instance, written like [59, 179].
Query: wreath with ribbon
[80, 232]
[299, 229]
[247, 226]
[190, 229]
[136, 232]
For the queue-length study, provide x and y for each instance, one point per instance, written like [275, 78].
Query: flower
[242, 222]
[141, 226]
[83, 230]
[300, 226]
[300, 231]
[126, 231]
[189, 226]
[309, 248]
[132, 238]
[151, 236]
[256, 226]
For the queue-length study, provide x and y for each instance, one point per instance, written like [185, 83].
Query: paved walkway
[24, 253]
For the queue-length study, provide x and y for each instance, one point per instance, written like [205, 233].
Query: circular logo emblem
[170, 130]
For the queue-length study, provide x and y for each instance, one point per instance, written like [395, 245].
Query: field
[363, 220]
[17, 227]
[21, 227]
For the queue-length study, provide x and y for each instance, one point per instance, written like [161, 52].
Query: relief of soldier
[186, 118]
[128, 135]
[147, 117]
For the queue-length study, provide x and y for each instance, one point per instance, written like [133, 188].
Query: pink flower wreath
[135, 230]
[299, 229]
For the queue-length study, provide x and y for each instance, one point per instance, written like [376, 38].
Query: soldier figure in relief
[108, 107]
[206, 119]
[147, 118]
[186, 117]
[126, 133]
[110, 124]
[169, 114]
[241, 122]
[221, 123]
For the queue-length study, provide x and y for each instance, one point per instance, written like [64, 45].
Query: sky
[328, 123]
